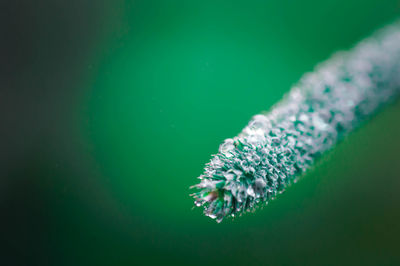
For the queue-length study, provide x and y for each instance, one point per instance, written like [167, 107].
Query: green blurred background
[110, 109]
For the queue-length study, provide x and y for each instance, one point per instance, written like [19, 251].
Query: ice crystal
[276, 147]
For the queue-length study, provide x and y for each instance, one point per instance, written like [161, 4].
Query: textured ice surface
[276, 147]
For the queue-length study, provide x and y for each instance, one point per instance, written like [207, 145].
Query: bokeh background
[110, 109]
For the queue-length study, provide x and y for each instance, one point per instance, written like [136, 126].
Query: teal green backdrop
[124, 103]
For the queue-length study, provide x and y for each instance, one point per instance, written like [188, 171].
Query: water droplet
[226, 147]
[250, 192]
[212, 216]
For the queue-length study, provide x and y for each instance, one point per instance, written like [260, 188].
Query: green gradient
[161, 85]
